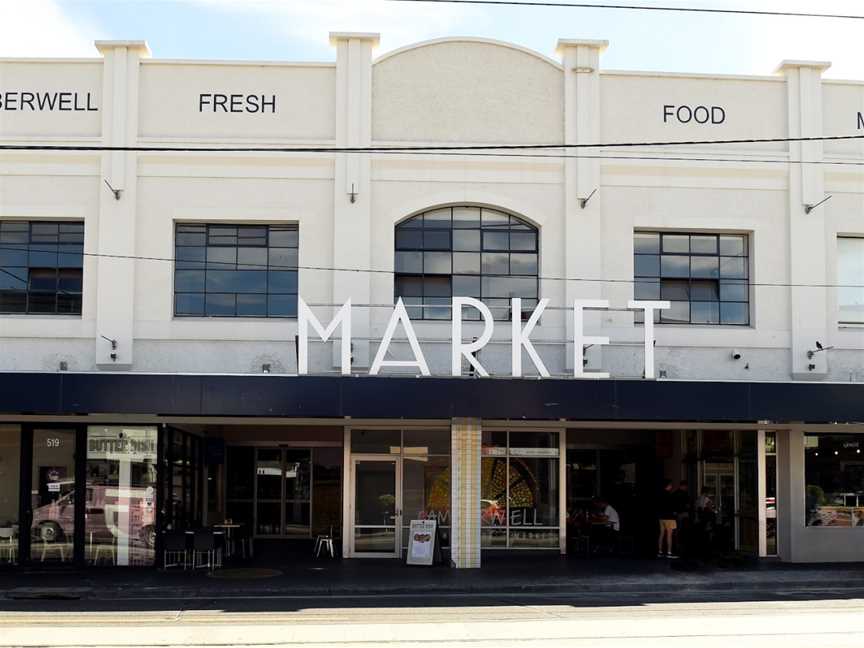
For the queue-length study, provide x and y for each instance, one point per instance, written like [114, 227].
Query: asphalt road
[790, 619]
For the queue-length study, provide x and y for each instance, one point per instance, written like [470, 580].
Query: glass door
[746, 493]
[52, 507]
[377, 505]
[268, 491]
[283, 494]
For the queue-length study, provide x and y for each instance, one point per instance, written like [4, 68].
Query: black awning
[435, 398]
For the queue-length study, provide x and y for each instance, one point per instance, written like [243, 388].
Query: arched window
[465, 252]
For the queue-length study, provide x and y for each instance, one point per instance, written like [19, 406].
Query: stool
[324, 542]
[61, 546]
[8, 543]
[110, 550]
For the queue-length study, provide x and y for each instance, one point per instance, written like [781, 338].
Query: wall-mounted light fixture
[810, 208]
[117, 192]
[113, 355]
[583, 202]
[819, 349]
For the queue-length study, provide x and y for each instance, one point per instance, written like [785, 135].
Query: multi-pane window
[41, 267]
[465, 252]
[704, 276]
[850, 275]
[235, 270]
[519, 482]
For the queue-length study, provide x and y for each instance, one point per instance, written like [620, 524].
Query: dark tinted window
[41, 267]
[704, 276]
[466, 252]
[235, 270]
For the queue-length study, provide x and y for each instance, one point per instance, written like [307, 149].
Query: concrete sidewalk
[377, 577]
[463, 622]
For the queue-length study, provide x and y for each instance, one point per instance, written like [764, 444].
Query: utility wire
[661, 158]
[381, 271]
[403, 149]
[586, 5]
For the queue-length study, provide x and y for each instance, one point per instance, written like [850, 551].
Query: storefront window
[834, 478]
[10, 458]
[120, 516]
[424, 456]
[771, 493]
[519, 490]
[426, 480]
[297, 473]
[52, 495]
[327, 490]
[376, 441]
[182, 478]
[240, 486]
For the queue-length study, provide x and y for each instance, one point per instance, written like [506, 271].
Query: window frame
[703, 279]
[482, 226]
[218, 236]
[68, 244]
[840, 285]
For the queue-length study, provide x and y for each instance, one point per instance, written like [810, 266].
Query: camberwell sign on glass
[520, 337]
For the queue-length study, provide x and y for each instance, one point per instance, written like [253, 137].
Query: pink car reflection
[106, 506]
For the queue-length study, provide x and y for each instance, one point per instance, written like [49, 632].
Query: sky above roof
[297, 30]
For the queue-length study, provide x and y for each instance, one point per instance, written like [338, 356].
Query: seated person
[606, 524]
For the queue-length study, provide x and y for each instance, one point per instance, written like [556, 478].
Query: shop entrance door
[52, 508]
[282, 492]
[376, 515]
[746, 493]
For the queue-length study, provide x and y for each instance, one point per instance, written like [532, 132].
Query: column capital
[106, 46]
[371, 37]
[788, 65]
[567, 43]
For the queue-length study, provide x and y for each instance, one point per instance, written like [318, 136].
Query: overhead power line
[661, 158]
[383, 271]
[419, 148]
[511, 151]
[626, 7]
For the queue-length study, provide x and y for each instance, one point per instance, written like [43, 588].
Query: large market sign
[520, 337]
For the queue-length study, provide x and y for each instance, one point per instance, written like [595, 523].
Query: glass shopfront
[10, 478]
[53, 518]
[288, 493]
[520, 481]
[397, 476]
[120, 517]
[834, 478]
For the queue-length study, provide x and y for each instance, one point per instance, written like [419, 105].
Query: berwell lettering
[61, 101]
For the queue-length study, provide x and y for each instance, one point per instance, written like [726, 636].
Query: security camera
[736, 354]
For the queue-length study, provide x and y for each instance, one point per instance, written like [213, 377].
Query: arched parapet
[467, 90]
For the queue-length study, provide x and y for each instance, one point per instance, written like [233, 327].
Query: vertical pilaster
[465, 479]
[352, 223]
[807, 249]
[116, 230]
[583, 228]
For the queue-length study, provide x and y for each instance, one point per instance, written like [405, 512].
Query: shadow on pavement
[534, 580]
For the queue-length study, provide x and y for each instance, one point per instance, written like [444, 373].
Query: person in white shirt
[612, 517]
[606, 523]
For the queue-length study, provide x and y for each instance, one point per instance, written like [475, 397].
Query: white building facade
[150, 295]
